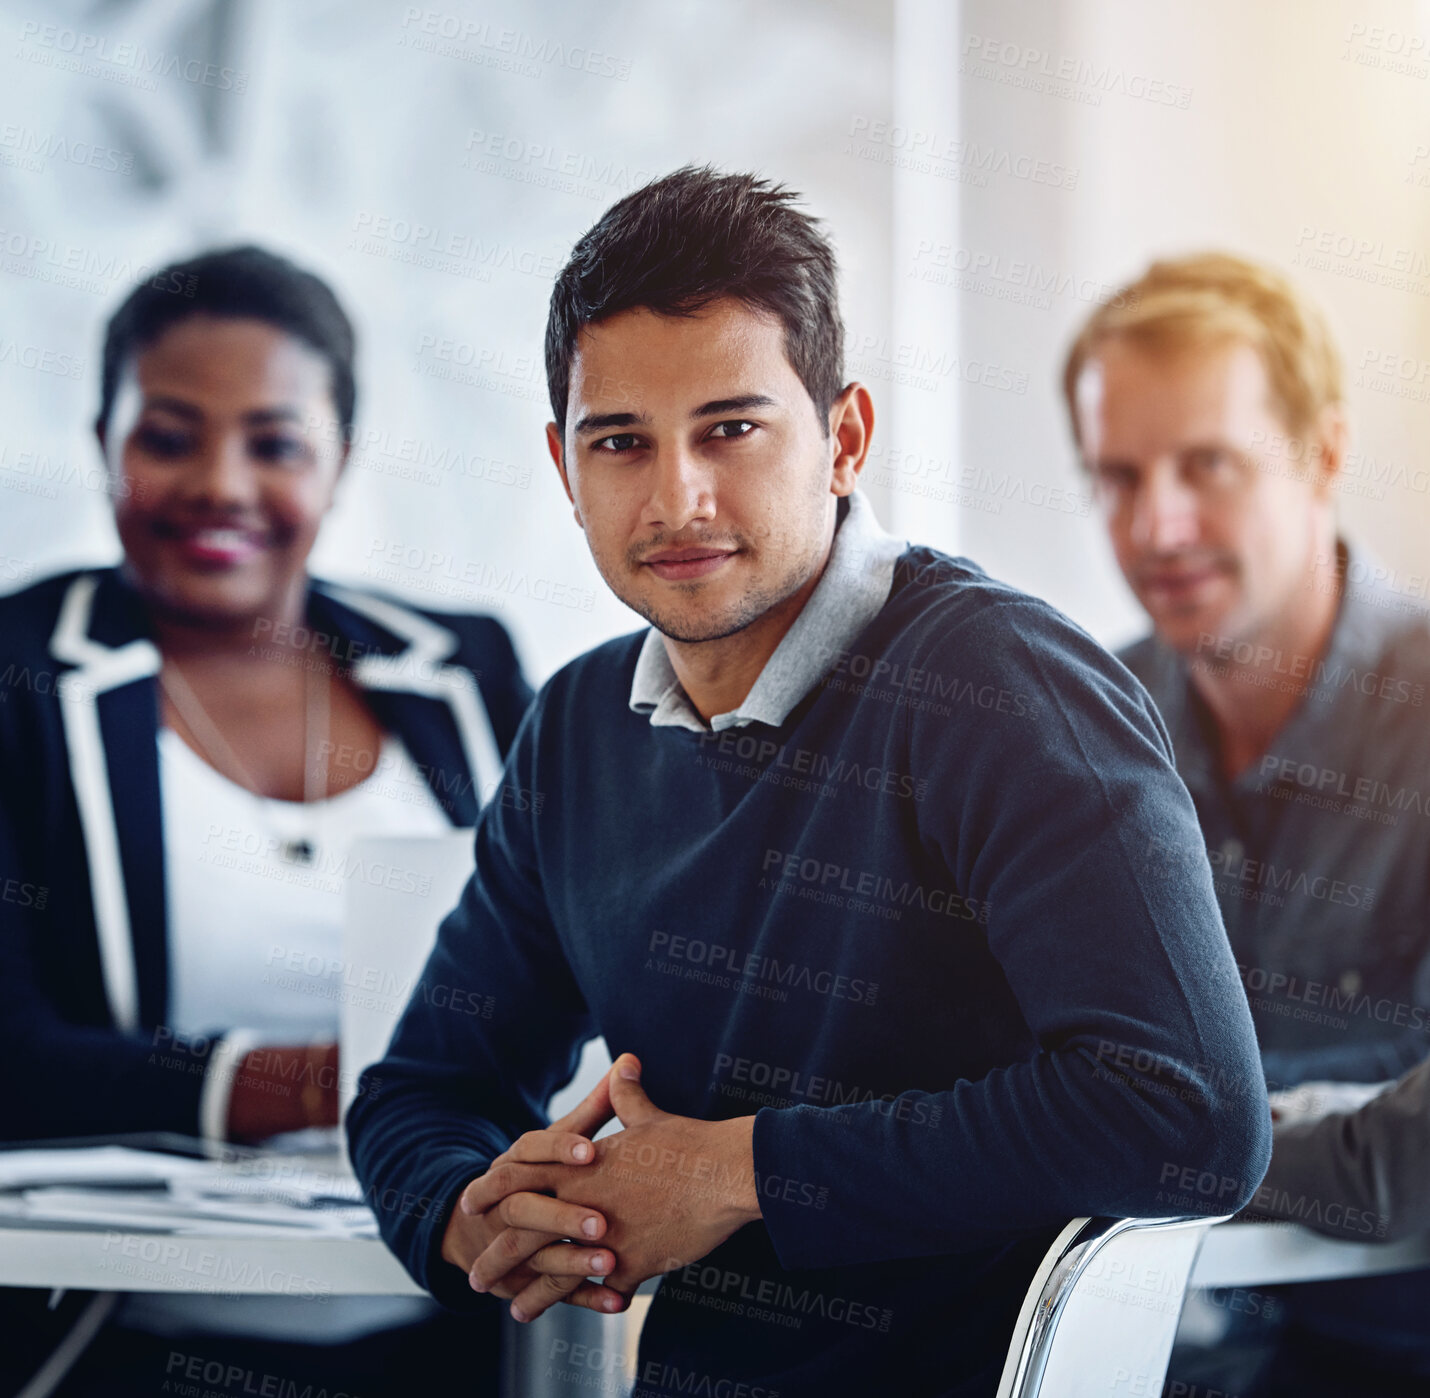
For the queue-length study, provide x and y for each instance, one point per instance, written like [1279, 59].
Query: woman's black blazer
[83, 931]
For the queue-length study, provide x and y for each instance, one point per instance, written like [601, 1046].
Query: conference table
[222, 1261]
[542, 1359]
[102, 1259]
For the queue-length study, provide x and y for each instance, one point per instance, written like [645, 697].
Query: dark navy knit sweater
[925, 929]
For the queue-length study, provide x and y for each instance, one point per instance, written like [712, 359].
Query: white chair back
[1101, 1313]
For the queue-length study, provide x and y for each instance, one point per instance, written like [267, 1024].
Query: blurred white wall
[1266, 129]
[436, 162]
[945, 144]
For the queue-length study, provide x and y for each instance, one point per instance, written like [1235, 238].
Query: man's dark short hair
[691, 238]
[243, 283]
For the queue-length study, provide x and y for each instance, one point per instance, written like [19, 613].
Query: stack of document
[117, 1187]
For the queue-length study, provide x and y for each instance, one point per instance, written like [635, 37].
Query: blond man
[1206, 403]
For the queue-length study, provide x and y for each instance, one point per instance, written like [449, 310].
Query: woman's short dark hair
[688, 239]
[234, 283]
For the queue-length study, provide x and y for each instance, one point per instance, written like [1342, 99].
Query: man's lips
[678, 565]
[220, 545]
[1180, 584]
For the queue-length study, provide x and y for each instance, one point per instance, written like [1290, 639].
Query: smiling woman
[214, 732]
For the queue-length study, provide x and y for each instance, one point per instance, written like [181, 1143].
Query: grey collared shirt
[849, 595]
[1321, 849]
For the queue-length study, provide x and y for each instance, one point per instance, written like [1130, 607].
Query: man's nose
[682, 489]
[1166, 514]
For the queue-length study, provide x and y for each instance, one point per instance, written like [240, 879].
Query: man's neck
[717, 676]
[1251, 702]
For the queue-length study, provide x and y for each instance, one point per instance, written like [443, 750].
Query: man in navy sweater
[853, 859]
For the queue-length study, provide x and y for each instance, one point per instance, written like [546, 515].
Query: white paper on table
[1309, 1101]
[273, 1181]
[96, 1165]
[156, 1209]
[120, 1187]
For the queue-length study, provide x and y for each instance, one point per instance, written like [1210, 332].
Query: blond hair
[1212, 299]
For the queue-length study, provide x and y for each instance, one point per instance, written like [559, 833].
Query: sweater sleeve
[1061, 813]
[494, 1026]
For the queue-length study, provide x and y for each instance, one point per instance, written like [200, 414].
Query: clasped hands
[559, 1208]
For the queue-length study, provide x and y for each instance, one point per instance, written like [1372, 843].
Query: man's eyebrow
[719, 407]
[594, 422]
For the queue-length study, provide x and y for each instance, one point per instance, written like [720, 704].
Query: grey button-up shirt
[848, 596]
[1321, 849]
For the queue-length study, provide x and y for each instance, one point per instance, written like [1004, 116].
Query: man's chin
[692, 613]
[692, 631]
[1186, 631]
[691, 624]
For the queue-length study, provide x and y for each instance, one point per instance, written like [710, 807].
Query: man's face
[698, 466]
[1213, 521]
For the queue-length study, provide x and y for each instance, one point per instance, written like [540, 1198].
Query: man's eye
[622, 441]
[1117, 478]
[278, 448]
[1210, 461]
[162, 442]
[736, 427]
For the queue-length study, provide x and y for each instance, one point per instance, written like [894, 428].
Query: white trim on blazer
[419, 670]
[100, 668]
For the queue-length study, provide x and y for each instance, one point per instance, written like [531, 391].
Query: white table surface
[1268, 1254]
[110, 1260]
[1234, 1254]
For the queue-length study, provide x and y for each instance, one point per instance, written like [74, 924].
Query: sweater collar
[849, 595]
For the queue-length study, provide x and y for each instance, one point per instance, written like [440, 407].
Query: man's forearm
[1027, 1147]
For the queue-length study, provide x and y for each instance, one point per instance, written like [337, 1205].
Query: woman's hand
[283, 1088]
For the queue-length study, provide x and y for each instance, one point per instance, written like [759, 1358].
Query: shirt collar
[1330, 719]
[850, 593]
[1368, 615]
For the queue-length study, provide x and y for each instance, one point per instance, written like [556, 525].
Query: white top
[255, 953]
[255, 891]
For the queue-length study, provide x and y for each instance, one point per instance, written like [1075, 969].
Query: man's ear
[557, 449]
[1332, 435]
[851, 431]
